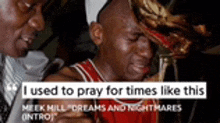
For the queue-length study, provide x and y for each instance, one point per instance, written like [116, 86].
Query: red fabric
[126, 116]
[88, 67]
[117, 116]
[163, 39]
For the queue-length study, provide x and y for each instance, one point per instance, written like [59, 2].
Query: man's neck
[105, 69]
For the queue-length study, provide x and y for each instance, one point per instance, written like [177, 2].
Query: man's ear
[96, 33]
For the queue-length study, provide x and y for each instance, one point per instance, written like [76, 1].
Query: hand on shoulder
[68, 116]
[65, 74]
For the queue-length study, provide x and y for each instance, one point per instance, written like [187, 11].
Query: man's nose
[37, 21]
[145, 49]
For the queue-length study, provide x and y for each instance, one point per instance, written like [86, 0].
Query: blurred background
[66, 34]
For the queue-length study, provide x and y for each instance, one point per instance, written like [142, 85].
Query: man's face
[20, 20]
[127, 50]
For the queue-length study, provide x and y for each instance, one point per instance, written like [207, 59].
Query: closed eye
[135, 36]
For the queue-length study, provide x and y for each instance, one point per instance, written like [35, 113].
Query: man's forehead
[118, 10]
[121, 7]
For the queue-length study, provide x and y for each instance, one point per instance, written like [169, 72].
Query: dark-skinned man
[20, 21]
[125, 54]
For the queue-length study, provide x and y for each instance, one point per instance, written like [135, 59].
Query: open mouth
[139, 65]
[24, 43]
[139, 68]
[28, 39]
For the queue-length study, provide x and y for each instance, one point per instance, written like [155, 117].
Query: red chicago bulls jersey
[90, 73]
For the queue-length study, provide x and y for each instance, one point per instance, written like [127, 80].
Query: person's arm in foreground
[68, 116]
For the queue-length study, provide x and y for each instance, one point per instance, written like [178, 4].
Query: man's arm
[67, 116]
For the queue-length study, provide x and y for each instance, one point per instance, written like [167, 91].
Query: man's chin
[136, 77]
[23, 54]
[16, 54]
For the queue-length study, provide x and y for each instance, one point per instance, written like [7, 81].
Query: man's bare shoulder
[65, 74]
